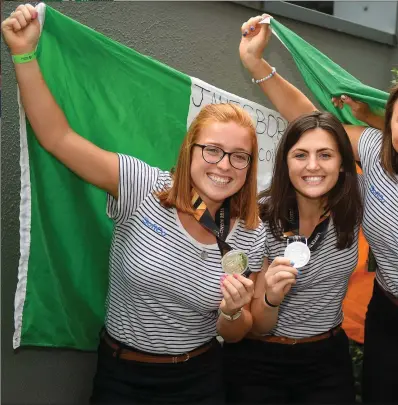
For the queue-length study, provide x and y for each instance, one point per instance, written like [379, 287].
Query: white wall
[380, 15]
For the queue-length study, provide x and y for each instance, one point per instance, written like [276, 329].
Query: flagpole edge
[24, 228]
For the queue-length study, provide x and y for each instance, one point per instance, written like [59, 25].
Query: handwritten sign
[268, 123]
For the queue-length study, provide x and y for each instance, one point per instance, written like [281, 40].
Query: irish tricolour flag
[124, 102]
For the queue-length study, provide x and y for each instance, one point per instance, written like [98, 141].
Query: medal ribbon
[220, 227]
[317, 235]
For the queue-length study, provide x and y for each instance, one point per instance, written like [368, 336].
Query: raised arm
[21, 33]
[287, 99]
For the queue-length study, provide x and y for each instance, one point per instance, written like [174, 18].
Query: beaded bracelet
[273, 71]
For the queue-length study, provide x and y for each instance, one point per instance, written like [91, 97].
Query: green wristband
[24, 58]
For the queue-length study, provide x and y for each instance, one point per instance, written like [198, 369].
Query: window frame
[319, 19]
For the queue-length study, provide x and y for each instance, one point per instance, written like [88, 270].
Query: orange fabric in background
[360, 287]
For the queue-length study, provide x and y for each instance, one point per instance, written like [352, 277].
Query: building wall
[198, 38]
[380, 15]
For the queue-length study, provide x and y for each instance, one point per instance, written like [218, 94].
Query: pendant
[204, 255]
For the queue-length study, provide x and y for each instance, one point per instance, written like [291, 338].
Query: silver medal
[299, 253]
[235, 262]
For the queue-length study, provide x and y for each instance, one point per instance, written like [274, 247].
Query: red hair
[244, 202]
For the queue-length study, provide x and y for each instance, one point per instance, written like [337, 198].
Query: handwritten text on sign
[269, 124]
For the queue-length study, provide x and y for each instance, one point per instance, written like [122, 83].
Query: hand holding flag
[255, 37]
[361, 111]
[21, 30]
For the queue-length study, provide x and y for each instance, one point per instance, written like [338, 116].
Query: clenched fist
[21, 30]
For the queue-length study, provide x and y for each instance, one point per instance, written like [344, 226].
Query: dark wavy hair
[344, 199]
[388, 155]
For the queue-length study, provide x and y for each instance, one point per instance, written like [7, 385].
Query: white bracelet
[273, 71]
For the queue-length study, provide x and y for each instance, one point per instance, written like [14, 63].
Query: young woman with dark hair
[343, 199]
[313, 375]
[297, 351]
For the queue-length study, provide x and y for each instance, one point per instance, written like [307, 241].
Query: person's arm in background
[362, 112]
[287, 99]
[21, 33]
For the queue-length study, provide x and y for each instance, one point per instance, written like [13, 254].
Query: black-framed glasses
[214, 154]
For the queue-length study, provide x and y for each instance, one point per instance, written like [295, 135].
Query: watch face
[230, 317]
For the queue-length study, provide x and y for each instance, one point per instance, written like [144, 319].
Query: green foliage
[356, 351]
[394, 72]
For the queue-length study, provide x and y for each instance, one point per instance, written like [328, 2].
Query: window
[380, 15]
[374, 20]
[325, 7]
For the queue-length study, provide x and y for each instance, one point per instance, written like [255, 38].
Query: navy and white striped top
[314, 304]
[380, 222]
[163, 296]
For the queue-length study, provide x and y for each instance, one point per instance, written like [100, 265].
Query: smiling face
[314, 163]
[216, 182]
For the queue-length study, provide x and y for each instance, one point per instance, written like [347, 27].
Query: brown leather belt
[292, 341]
[128, 354]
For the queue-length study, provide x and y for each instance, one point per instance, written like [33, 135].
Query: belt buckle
[294, 341]
[175, 358]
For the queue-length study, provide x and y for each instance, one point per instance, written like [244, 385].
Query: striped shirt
[164, 293]
[314, 303]
[380, 222]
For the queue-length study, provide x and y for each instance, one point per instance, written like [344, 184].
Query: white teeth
[312, 179]
[219, 180]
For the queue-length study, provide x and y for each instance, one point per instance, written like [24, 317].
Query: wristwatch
[236, 315]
